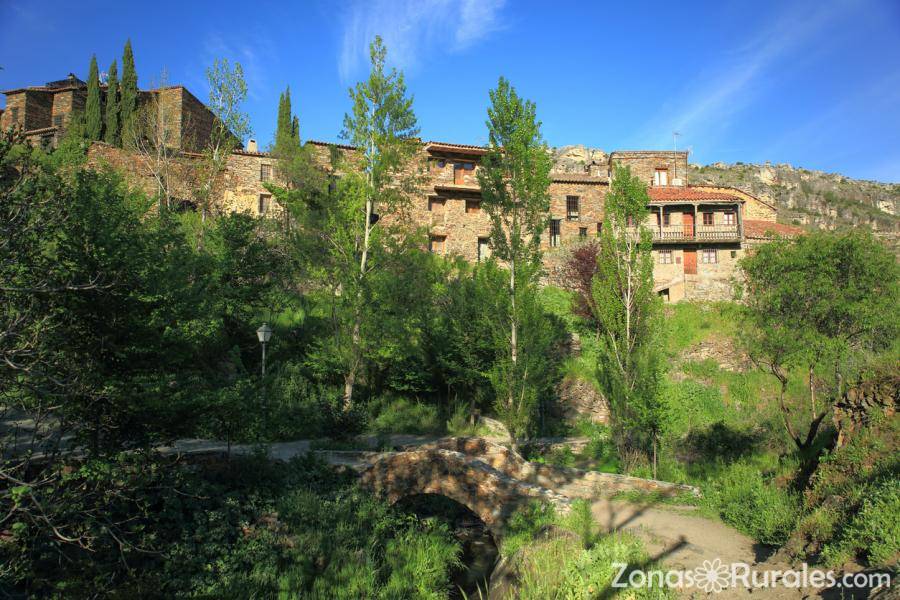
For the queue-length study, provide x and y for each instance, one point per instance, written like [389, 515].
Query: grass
[567, 556]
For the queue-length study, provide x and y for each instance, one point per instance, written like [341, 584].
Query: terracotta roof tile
[461, 148]
[675, 193]
[577, 178]
[766, 229]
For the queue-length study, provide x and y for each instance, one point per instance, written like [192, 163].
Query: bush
[744, 499]
[873, 531]
[401, 415]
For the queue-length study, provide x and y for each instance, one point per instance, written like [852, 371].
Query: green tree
[383, 127]
[628, 317]
[111, 135]
[820, 304]
[128, 93]
[296, 165]
[227, 93]
[515, 178]
[93, 113]
[287, 128]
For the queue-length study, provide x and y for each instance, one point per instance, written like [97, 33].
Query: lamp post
[264, 334]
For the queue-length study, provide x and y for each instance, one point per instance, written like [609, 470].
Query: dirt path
[683, 541]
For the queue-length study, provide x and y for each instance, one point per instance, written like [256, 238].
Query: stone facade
[644, 164]
[699, 231]
[44, 112]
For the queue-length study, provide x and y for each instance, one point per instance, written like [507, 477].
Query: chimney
[252, 146]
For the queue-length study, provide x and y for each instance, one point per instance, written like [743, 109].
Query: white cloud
[412, 29]
[703, 110]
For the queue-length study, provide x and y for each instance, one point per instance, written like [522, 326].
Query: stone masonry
[700, 232]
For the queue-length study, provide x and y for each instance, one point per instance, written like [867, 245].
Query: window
[661, 177]
[599, 229]
[554, 232]
[667, 219]
[459, 170]
[734, 254]
[572, 208]
[264, 201]
[664, 257]
[473, 206]
[437, 243]
[729, 218]
[709, 256]
[14, 113]
[484, 249]
[57, 120]
[582, 232]
[265, 172]
[436, 205]
[708, 218]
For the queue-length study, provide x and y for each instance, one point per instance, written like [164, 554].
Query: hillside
[804, 197]
[814, 198]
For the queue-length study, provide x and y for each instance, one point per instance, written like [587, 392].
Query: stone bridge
[491, 480]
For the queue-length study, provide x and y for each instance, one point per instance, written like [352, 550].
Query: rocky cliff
[814, 198]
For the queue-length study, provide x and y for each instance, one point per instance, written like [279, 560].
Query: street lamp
[264, 334]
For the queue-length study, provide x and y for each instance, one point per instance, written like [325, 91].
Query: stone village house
[699, 232]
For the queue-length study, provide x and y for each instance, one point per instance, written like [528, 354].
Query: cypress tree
[295, 131]
[283, 126]
[129, 91]
[112, 106]
[93, 119]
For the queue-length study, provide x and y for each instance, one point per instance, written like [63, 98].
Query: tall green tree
[820, 305]
[227, 93]
[382, 125]
[287, 129]
[628, 317]
[93, 114]
[111, 134]
[515, 178]
[129, 94]
[341, 239]
[296, 166]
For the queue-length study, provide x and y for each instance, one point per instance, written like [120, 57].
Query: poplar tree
[129, 92]
[628, 314]
[93, 118]
[111, 136]
[514, 179]
[382, 125]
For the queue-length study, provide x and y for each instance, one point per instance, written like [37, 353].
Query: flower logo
[712, 576]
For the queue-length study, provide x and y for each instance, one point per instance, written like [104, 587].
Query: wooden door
[688, 220]
[690, 262]
[459, 174]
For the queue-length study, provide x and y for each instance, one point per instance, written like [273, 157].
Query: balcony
[700, 233]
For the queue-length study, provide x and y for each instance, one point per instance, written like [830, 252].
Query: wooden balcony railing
[698, 232]
[702, 233]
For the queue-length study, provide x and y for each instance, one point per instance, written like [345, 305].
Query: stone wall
[196, 121]
[38, 110]
[68, 102]
[643, 163]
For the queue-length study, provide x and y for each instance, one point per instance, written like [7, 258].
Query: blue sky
[811, 83]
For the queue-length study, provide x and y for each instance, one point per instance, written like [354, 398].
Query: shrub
[873, 531]
[401, 415]
[524, 524]
[744, 499]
